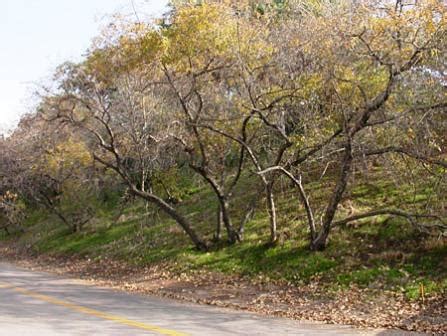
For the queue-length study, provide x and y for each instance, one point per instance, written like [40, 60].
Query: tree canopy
[224, 92]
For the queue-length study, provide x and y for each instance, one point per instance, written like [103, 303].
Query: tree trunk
[248, 216]
[304, 199]
[170, 211]
[272, 213]
[233, 235]
[218, 233]
[320, 242]
[48, 203]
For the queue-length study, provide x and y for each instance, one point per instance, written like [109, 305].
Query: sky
[38, 35]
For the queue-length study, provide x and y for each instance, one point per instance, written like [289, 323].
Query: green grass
[63, 241]
[376, 253]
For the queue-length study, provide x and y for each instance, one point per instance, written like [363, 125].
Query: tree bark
[320, 242]
[272, 213]
[233, 235]
[218, 233]
[304, 199]
[182, 221]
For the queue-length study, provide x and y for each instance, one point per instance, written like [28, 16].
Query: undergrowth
[384, 253]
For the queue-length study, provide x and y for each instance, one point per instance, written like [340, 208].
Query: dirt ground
[354, 306]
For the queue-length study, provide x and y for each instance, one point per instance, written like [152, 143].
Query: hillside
[295, 149]
[378, 260]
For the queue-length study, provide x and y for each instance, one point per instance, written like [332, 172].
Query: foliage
[286, 95]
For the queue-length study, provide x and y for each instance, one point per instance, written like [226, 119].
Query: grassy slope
[379, 253]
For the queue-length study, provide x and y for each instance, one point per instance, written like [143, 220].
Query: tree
[44, 166]
[201, 51]
[316, 92]
[366, 57]
[340, 76]
[118, 115]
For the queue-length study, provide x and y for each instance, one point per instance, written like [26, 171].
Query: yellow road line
[94, 312]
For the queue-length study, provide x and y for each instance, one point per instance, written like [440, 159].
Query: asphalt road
[34, 303]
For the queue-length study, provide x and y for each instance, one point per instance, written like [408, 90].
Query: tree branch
[395, 212]
[407, 152]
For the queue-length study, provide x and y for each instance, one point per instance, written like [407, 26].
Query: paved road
[33, 303]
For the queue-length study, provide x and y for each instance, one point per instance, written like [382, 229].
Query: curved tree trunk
[320, 242]
[224, 216]
[168, 209]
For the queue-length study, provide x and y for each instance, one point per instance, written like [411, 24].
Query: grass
[63, 241]
[375, 253]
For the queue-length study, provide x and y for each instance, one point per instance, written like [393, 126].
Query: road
[35, 303]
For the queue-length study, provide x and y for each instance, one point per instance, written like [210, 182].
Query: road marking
[93, 312]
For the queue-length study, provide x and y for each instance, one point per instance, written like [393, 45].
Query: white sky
[38, 35]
